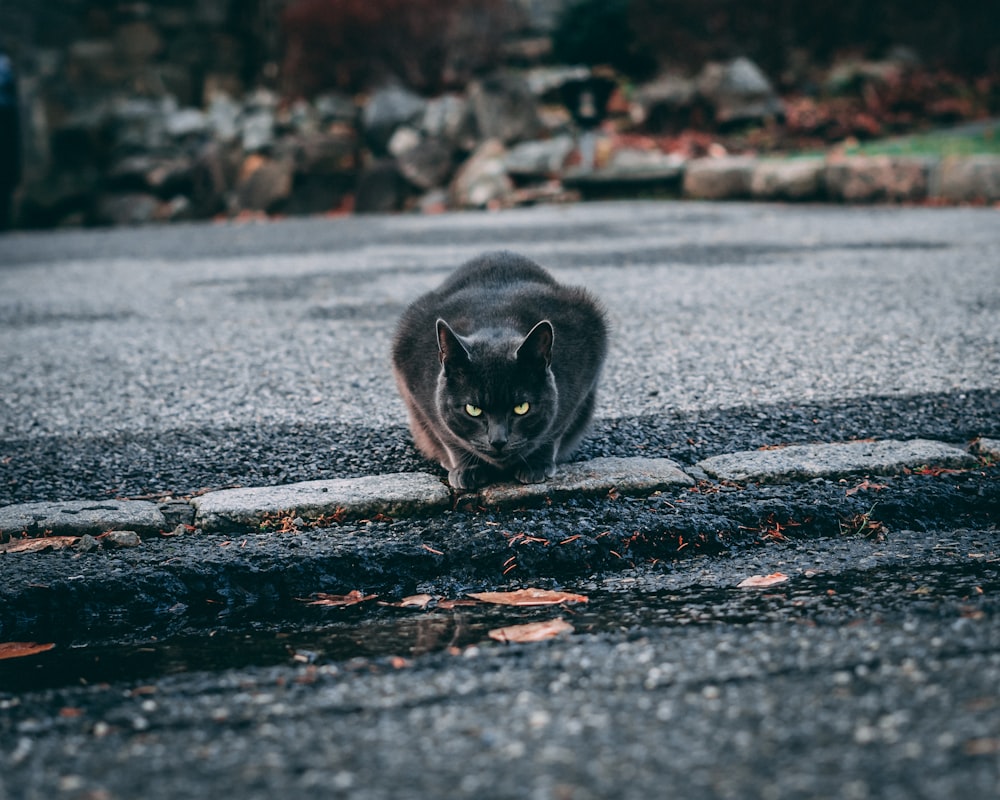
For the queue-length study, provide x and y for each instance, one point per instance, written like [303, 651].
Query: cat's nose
[498, 437]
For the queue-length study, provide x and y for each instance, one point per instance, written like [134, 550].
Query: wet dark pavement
[944, 581]
[872, 672]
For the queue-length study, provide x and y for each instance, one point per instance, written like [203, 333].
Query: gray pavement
[197, 357]
[157, 364]
[712, 306]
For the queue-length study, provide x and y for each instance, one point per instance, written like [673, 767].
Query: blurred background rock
[134, 112]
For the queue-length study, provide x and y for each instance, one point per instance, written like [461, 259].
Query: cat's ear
[537, 345]
[450, 347]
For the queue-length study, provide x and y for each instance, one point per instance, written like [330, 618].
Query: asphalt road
[170, 360]
[143, 361]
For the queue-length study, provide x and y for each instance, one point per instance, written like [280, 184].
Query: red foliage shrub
[355, 44]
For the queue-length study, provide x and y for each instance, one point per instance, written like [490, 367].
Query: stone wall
[142, 112]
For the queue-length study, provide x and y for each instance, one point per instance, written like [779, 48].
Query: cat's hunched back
[498, 368]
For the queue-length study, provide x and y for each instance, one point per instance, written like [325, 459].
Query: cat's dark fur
[498, 334]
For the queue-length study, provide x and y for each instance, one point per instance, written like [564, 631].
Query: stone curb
[409, 494]
[598, 476]
[394, 494]
[78, 517]
[988, 447]
[805, 462]
[847, 179]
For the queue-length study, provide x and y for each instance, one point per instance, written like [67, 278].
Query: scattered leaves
[39, 545]
[352, 598]
[532, 631]
[935, 472]
[865, 485]
[21, 649]
[762, 581]
[528, 597]
[864, 525]
[773, 530]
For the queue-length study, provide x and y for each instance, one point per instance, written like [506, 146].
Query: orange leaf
[39, 545]
[532, 631]
[866, 484]
[762, 581]
[350, 599]
[450, 604]
[528, 597]
[416, 601]
[420, 601]
[21, 649]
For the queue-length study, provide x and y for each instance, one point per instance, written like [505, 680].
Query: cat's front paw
[535, 473]
[468, 478]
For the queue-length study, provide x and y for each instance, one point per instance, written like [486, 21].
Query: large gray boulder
[450, 117]
[505, 109]
[428, 164]
[388, 109]
[264, 184]
[664, 103]
[482, 181]
[738, 91]
[539, 159]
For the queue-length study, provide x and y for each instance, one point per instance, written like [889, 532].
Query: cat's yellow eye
[521, 409]
[473, 411]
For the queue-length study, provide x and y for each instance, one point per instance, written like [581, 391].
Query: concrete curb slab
[394, 494]
[800, 179]
[724, 178]
[77, 517]
[804, 462]
[868, 179]
[970, 178]
[406, 494]
[597, 476]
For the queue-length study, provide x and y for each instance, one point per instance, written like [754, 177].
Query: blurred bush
[630, 34]
[596, 32]
[353, 45]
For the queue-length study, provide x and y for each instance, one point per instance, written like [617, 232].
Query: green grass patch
[983, 140]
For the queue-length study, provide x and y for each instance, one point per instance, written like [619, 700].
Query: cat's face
[497, 395]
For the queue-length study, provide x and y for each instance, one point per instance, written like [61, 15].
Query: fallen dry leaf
[349, 599]
[420, 601]
[449, 604]
[39, 545]
[865, 485]
[762, 581]
[531, 631]
[21, 649]
[528, 597]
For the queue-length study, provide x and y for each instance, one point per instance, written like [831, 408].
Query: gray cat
[498, 368]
